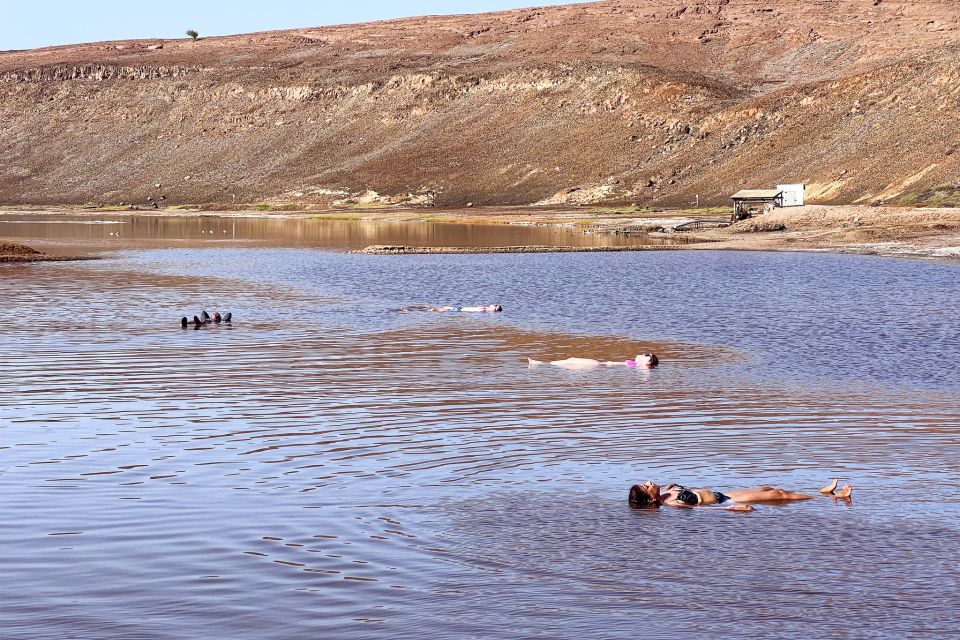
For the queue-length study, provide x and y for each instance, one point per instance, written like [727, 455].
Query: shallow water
[328, 467]
[118, 231]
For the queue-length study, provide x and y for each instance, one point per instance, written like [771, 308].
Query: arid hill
[646, 101]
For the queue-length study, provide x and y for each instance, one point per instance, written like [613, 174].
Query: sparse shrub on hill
[757, 225]
[192, 34]
[944, 195]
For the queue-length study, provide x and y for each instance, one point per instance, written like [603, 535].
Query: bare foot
[846, 492]
[830, 488]
[741, 507]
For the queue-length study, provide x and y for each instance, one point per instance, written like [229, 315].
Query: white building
[792, 194]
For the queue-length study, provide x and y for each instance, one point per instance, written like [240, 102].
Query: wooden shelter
[751, 202]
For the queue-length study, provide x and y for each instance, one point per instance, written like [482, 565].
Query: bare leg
[577, 362]
[532, 362]
[773, 494]
[766, 494]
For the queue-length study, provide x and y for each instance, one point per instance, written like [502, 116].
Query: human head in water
[644, 495]
[496, 307]
[648, 360]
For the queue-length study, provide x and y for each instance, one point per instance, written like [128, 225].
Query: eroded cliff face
[645, 101]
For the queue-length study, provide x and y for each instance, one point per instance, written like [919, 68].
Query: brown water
[82, 233]
[328, 467]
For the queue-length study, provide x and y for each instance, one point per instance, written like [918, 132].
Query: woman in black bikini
[675, 495]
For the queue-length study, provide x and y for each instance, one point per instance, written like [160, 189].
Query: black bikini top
[687, 497]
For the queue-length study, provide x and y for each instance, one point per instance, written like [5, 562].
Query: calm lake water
[97, 232]
[327, 467]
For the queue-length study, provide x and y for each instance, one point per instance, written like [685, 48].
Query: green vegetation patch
[276, 207]
[368, 205]
[335, 216]
[617, 211]
[945, 195]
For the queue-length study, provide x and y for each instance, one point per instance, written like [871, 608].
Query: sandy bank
[894, 231]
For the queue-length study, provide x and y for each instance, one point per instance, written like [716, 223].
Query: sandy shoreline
[887, 231]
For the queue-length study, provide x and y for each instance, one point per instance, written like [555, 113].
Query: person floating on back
[643, 361]
[490, 308]
[650, 494]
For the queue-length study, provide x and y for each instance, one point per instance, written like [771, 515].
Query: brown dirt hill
[648, 101]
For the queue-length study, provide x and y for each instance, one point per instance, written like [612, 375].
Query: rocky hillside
[646, 101]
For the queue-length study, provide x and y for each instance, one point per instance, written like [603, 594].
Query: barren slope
[648, 101]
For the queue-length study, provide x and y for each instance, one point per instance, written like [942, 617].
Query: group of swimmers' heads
[648, 360]
[206, 318]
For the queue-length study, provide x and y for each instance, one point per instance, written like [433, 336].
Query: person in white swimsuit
[643, 360]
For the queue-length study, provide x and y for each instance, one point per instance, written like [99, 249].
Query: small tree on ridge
[193, 33]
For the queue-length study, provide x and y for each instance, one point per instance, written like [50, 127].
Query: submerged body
[490, 308]
[643, 360]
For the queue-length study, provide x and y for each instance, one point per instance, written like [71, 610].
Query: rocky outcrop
[14, 252]
[93, 72]
[394, 250]
[650, 102]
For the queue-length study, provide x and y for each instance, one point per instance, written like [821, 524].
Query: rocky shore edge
[13, 252]
[392, 250]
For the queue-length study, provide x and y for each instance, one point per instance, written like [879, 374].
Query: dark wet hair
[497, 307]
[654, 360]
[638, 497]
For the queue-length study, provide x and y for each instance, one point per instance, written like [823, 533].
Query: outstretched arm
[746, 508]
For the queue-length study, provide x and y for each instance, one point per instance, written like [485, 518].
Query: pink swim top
[630, 363]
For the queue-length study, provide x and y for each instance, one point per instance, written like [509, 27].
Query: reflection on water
[125, 231]
[328, 467]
